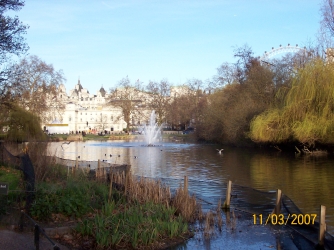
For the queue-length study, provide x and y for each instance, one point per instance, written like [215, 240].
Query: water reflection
[306, 180]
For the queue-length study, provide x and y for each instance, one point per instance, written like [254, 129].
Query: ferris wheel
[280, 50]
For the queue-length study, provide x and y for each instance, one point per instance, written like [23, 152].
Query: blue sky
[104, 41]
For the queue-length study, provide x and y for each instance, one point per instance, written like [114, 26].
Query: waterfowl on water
[220, 151]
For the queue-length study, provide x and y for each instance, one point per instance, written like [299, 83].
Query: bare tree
[35, 86]
[327, 12]
[244, 56]
[159, 95]
[185, 107]
[226, 74]
[129, 98]
[179, 112]
[12, 42]
[326, 31]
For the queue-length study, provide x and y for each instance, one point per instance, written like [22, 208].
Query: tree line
[26, 85]
[248, 101]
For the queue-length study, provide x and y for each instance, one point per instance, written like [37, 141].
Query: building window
[69, 118]
[111, 118]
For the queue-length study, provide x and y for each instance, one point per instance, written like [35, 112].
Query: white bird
[220, 151]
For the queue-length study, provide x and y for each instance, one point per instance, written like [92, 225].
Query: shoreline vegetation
[116, 136]
[132, 213]
[292, 147]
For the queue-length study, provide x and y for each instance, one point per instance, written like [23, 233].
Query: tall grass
[134, 226]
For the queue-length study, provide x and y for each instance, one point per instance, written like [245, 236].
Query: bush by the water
[307, 112]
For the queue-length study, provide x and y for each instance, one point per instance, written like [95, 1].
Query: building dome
[102, 91]
[78, 87]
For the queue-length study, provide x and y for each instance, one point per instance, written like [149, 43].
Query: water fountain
[152, 131]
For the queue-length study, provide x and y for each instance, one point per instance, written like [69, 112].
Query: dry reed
[185, 204]
[234, 221]
[219, 216]
[209, 225]
[145, 190]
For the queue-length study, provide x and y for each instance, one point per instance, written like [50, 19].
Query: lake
[307, 180]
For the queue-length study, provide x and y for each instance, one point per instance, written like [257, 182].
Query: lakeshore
[237, 231]
[127, 151]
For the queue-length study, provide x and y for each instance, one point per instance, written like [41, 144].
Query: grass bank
[87, 137]
[146, 216]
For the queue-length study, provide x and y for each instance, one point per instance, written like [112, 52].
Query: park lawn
[11, 176]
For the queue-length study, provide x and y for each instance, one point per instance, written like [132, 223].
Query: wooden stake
[277, 208]
[227, 202]
[322, 226]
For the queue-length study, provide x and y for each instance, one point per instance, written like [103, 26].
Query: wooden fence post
[322, 226]
[277, 208]
[36, 237]
[227, 202]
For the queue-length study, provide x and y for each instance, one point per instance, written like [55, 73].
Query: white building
[91, 113]
[87, 112]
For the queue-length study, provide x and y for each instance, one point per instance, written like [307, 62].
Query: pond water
[307, 180]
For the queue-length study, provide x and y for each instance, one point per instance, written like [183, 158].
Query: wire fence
[38, 230]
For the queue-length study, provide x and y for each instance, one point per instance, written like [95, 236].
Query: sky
[101, 42]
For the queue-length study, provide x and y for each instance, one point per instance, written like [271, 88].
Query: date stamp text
[282, 219]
